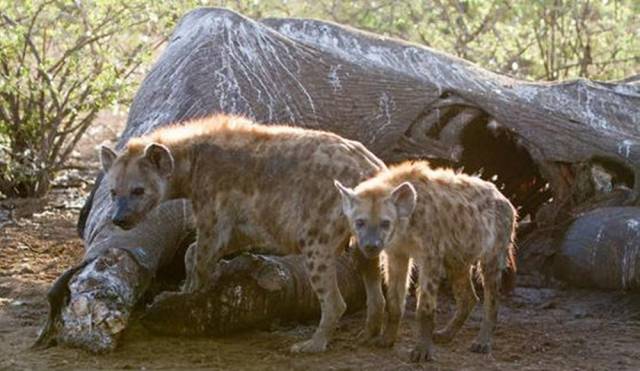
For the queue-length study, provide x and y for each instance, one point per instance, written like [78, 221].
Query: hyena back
[446, 223]
[266, 186]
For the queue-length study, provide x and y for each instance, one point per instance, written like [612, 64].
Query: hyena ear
[348, 197]
[404, 197]
[107, 157]
[160, 156]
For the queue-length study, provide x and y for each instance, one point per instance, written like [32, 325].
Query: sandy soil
[538, 328]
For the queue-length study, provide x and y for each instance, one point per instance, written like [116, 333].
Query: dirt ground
[550, 329]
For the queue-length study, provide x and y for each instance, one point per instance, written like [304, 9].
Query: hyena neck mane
[221, 145]
[419, 173]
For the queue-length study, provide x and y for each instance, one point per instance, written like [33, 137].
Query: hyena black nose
[374, 245]
[121, 222]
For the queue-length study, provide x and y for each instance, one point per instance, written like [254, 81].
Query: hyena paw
[442, 336]
[309, 346]
[188, 286]
[191, 286]
[367, 335]
[422, 353]
[383, 341]
[480, 347]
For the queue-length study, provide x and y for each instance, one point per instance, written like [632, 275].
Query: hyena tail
[508, 283]
[509, 216]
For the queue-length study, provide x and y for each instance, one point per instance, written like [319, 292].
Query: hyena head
[137, 182]
[375, 217]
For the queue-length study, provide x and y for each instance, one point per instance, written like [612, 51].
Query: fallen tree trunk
[552, 148]
[251, 291]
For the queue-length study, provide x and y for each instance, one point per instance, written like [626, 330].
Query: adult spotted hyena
[446, 223]
[255, 185]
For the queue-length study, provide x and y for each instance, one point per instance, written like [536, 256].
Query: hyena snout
[371, 246]
[123, 216]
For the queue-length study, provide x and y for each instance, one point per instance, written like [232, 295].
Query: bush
[60, 63]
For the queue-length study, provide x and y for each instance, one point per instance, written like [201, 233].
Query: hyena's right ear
[404, 197]
[348, 197]
[160, 156]
[107, 157]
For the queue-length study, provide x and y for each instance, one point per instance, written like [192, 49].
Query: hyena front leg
[396, 267]
[320, 261]
[491, 283]
[213, 237]
[466, 299]
[429, 282]
[372, 278]
[189, 265]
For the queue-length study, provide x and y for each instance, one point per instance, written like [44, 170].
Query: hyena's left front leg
[425, 311]
[321, 265]
[189, 268]
[210, 246]
[372, 278]
[396, 267]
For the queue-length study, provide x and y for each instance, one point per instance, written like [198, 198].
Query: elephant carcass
[601, 249]
[401, 100]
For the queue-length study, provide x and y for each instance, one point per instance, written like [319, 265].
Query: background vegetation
[61, 62]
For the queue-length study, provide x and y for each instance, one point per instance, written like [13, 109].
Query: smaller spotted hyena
[250, 185]
[446, 223]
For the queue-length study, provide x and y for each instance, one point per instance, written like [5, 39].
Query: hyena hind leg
[465, 297]
[321, 265]
[491, 277]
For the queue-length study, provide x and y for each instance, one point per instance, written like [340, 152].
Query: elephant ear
[160, 157]
[404, 197]
[107, 157]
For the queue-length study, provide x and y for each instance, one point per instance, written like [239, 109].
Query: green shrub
[60, 63]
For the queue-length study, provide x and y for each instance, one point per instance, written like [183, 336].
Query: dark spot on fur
[310, 265]
[326, 206]
[301, 243]
[324, 238]
[322, 267]
[313, 232]
[320, 291]
[309, 253]
[315, 278]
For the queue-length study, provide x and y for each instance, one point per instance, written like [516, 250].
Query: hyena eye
[138, 191]
[113, 193]
[385, 224]
[359, 223]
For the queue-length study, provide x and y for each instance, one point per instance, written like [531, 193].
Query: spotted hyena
[266, 186]
[446, 223]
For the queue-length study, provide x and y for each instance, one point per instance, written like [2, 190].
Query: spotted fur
[253, 185]
[446, 223]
